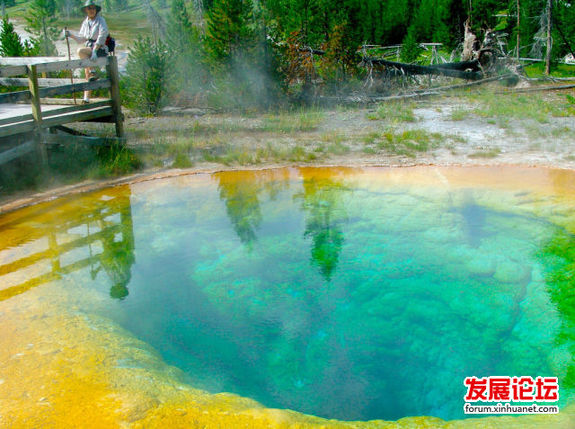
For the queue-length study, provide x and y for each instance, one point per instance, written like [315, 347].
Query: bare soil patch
[442, 131]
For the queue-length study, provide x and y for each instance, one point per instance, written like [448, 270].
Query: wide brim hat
[91, 3]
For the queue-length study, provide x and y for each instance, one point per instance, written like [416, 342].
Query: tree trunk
[449, 69]
[549, 45]
[518, 29]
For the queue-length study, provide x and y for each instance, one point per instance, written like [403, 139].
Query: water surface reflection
[353, 294]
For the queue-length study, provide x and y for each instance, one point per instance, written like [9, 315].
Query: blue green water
[341, 295]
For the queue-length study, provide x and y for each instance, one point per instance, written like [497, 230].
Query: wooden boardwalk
[27, 112]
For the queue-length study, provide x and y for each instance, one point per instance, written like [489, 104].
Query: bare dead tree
[158, 24]
[470, 43]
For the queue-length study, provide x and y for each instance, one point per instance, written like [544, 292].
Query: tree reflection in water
[240, 191]
[321, 203]
[118, 255]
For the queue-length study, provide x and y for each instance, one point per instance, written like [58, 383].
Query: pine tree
[12, 46]
[565, 26]
[394, 21]
[483, 14]
[41, 19]
[441, 31]
[423, 21]
[149, 74]
[182, 36]
[410, 49]
[339, 60]
[230, 29]
[455, 20]
[10, 43]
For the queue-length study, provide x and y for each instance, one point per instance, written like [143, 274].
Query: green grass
[67, 164]
[558, 70]
[369, 150]
[332, 137]
[456, 138]
[486, 153]
[299, 153]
[371, 137]
[500, 108]
[182, 153]
[248, 155]
[290, 122]
[503, 108]
[337, 148]
[409, 142]
[394, 111]
[535, 132]
[563, 132]
[459, 114]
[182, 160]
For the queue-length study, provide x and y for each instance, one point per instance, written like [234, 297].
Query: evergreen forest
[254, 52]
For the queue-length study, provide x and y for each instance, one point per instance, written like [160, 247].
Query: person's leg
[85, 53]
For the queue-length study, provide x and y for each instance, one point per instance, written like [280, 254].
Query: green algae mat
[265, 298]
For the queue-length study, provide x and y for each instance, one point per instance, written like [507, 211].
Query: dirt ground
[468, 141]
[350, 136]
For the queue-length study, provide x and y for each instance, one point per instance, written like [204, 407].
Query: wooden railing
[39, 88]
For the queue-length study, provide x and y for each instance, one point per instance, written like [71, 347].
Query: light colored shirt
[95, 29]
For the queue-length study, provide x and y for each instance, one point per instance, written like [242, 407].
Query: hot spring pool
[350, 294]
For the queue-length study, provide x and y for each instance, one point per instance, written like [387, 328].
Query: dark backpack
[111, 43]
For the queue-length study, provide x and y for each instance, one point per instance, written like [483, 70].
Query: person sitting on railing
[93, 34]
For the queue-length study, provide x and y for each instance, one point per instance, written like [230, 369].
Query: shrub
[149, 71]
[11, 44]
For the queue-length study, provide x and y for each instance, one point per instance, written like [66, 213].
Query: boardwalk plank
[7, 71]
[84, 116]
[43, 82]
[22, 127]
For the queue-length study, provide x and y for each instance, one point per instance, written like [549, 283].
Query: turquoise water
[335, 292]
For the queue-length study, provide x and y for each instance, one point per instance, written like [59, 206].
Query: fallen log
[438, 70]
[461, 65]
[365, 99]
[539, 88]
[470, 84]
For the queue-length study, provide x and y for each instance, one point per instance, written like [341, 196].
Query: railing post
[36, 111]
[113, 75]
